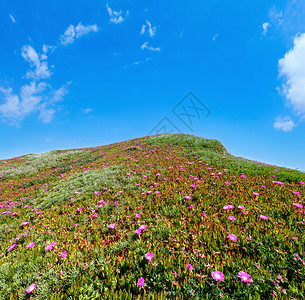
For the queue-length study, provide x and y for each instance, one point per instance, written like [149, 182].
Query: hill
[161, 217]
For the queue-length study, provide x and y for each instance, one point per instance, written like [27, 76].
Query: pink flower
[298, 205]
[138, 231]
[141, 282]
[95, 215]
[96, 193]
[240, 207]
[231, 218]
[138, 215]
[49, 247]
[149, 256]
[111, 226]
[245, 277]
[11, 247]
[204, 214]
[25, 223]
[232, 237]
[116, 203]
[263, 186]
[301, 182]
[30, 245]
[191, 206]
[228, 207]
[264, 217]
[217, 275]
[187, 197]
[31, 288]
[142, 227]
[79, 209]
[190, 267]
[256, 194]
[296, 193]
[243, 176]
[63, 255]
[74, 224]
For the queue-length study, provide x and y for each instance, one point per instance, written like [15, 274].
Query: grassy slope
[152, 176]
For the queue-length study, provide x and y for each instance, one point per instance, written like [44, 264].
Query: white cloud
[16, 107]
[143, 29]
[33, 97]
[215, 37]
[265, 28]
[41, 70]
[10, 108]
[285, 124]
[275, 16]
[36, 96]
[59, 94]
[87, 110]
[292, 69]
[116, 17]
[13, 19]
[46, 114]
[287, 19]
[151, 30]
[146, 46]
[45, 50]
[75, 32]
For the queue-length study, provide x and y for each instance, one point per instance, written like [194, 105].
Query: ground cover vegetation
[161, 217]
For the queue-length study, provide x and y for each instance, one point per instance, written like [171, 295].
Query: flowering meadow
[161, 217]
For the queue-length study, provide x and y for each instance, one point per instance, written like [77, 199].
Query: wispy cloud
[116, 17]
[36, 96]
[74, 32]
[292, 69]
[146, 46]
[287, 19]
[215, 37]
[285, 124]
[265, 27]
[87, 110]
[150, 29]
[13, 19]
[40, 68]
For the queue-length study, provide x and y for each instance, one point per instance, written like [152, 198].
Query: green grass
[215, 154]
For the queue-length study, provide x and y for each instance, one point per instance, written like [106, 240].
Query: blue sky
[85, 73]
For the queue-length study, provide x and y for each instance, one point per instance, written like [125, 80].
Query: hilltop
[163, 217]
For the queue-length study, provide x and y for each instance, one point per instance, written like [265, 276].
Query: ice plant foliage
[174, 209]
